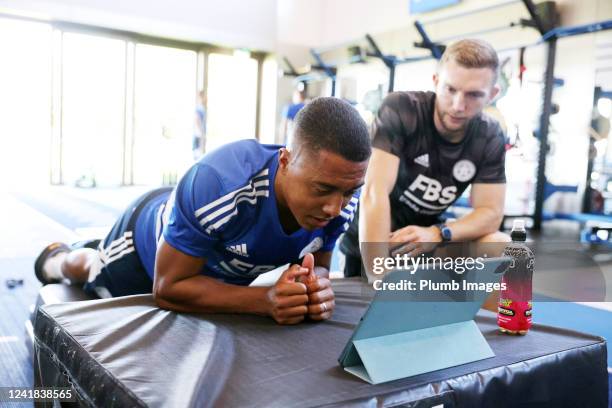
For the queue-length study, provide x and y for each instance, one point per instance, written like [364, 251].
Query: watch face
[446, 233]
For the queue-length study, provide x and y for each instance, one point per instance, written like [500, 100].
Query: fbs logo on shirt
[239, 249]
[432, 192]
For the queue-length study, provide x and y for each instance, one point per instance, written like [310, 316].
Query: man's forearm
[202, 294]
[479, 222]
[374, 230]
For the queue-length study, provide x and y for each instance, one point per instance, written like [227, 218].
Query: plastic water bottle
[514, 307]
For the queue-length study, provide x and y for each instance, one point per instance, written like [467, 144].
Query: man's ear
[494, 91]
[284, 158]
[435, 79]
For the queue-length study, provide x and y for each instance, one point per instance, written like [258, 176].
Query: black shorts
[353, 266]
[122, 272]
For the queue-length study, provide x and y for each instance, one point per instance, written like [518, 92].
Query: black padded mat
[129, 350]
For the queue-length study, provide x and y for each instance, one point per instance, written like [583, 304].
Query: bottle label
[514, 316]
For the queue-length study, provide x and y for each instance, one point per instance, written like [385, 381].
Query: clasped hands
[300, 293]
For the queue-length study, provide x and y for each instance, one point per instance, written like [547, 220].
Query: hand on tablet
[414, 240]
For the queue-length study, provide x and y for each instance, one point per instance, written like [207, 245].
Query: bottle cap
[518, 232]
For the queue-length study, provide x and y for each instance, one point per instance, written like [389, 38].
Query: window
[164, 113]
[25, 103]
[93, 105]
[232, 99]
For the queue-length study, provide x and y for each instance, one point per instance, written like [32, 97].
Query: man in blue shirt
[298, 101]
[244, 209]
[199, 133]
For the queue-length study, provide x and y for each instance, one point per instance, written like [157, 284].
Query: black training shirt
[433, 172]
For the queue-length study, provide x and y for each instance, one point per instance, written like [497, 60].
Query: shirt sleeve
[190, 228]
[340, 224]
[387, 130]
[493, 168]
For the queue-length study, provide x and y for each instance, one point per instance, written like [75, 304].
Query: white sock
[52, 268]
[94, 269]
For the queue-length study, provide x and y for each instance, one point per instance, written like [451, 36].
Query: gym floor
[70, 214]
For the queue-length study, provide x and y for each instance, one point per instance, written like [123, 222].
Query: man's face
[319, 185]
[461, 94]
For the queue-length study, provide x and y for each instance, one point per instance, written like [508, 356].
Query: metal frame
[437, 48]
[543, 133]
[318, 72]
[390, 61]
[551, 38]
[426, 42]
[329, 71]
[544, 117]
[259, 57]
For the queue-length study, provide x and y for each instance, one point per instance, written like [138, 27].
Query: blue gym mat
[576, 317]
[581, 318]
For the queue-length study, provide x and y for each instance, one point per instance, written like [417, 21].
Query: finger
[290, 301]
[322, 307]
[292, 273]
[417, 251]
[402, 238]
[308, 261]
[290, 288]
[321, 316]
[293, 320]
[292, 311]
[318, 285]
[320, 297]
[403, 231]
[403, 249]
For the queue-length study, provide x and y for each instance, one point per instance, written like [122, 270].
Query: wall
[231, 23]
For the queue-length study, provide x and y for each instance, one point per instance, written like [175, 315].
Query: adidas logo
[240, 249]
[423, 160]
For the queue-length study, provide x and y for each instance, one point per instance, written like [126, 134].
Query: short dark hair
[332, 124]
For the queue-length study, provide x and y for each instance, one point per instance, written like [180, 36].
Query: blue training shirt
[224, 209]
[293, 109]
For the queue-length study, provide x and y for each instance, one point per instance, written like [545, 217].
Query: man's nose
[333, 206]
[459, 102]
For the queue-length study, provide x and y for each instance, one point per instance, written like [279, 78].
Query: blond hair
[471, 53]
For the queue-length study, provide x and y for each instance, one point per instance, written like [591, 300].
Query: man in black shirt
[428, 148]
